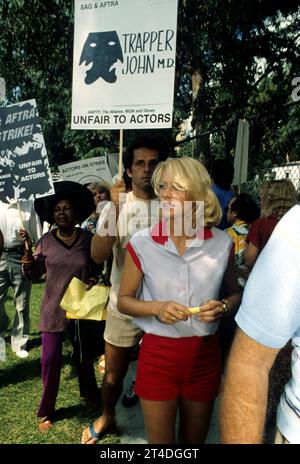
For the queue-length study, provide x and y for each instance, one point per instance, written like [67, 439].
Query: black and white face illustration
[103, 50]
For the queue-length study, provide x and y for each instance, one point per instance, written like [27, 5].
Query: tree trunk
[202, 145]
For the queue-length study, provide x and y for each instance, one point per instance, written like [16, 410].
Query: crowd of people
[203, 286]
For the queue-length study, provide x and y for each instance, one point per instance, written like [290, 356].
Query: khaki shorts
[121, 332]
[280, 439]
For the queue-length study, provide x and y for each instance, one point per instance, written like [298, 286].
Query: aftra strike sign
[24, 165]
[124, 64]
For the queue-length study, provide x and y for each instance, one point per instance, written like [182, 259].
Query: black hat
[80, 196]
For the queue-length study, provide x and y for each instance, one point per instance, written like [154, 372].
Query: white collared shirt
[12, 220]
[188, 279]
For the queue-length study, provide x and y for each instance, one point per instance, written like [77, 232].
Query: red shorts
[169, 368]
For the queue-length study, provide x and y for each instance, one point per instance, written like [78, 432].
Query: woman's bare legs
[194, 421]
[160, 418]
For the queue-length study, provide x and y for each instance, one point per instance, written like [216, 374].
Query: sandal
[96, 436]
[45, 424]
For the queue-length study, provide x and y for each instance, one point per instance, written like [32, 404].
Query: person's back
[222, 174]
[277, 197]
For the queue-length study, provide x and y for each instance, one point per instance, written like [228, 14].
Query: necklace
[66, 238]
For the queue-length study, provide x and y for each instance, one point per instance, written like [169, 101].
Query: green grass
[21, 388]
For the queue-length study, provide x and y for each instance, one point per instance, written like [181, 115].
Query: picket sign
[2, 89]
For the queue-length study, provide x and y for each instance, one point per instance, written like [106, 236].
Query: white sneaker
[22, 354]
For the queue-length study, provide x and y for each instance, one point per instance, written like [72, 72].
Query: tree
[235, 58]
[229, 51]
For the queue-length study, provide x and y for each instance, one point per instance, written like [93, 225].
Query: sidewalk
[131, 424]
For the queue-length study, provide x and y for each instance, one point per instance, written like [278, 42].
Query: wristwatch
[225, 308]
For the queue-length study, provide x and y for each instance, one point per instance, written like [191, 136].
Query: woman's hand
[24, 235]
[211, 311]
[170, 312]
[115, 191]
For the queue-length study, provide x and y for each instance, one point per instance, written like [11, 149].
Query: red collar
[158, 233]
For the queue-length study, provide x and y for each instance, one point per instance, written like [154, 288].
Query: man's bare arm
[101, 248]
[244, 398]
[102, 243]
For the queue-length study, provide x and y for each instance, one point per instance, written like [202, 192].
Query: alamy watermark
[2, 349]
[182, 219]
[296, 91]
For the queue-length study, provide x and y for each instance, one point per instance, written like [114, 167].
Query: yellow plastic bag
[80, 303]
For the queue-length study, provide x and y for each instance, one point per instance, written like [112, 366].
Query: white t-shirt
[136, 214]
[15, 216]
[270, 310]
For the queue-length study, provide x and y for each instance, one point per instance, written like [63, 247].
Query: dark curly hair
[245, 208]
[143, 142]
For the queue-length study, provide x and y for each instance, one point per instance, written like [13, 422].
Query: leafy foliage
[235, 58]
[245, 54]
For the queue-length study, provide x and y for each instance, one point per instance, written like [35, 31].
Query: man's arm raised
[101, 248]
[244, 398]
[104, 239]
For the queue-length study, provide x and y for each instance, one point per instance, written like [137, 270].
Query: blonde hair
[277, 197]
[98, 185]
[191, 176]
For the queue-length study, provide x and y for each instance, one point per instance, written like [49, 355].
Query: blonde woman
[100, 191]
[277, 197]
[168, 276]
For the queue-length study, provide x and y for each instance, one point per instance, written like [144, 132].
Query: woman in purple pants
[61, 254]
